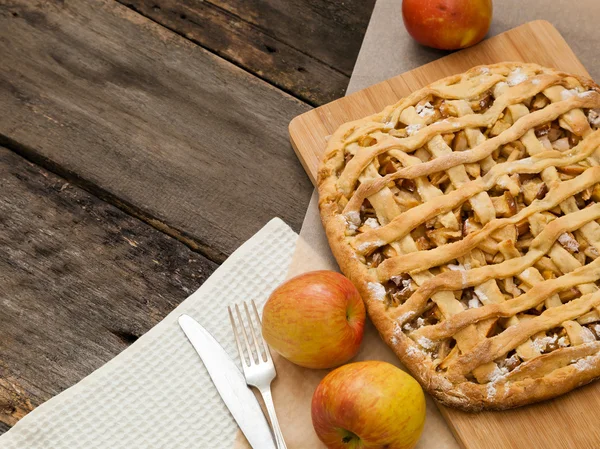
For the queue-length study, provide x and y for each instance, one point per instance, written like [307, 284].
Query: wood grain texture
[148, 120]
[324, 29]
[565, 422]
[4, 428]
[80, 280]
[253, 35]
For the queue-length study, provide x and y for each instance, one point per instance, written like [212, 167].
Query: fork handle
[268, 398]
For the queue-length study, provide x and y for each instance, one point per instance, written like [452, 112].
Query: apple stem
[350, 439]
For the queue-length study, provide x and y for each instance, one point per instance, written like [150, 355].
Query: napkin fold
[157, 393]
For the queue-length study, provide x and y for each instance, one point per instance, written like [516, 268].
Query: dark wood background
[141, 142]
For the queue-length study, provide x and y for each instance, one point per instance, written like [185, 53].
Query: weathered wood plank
[329, 30]
[253, 48]
[80, 280]
[148, 120]
[3, 428]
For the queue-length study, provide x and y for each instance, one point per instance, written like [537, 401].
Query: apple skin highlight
[447, 24]
[315, 320]
[368, 405]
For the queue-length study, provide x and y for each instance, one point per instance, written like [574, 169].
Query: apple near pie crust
[467, 215]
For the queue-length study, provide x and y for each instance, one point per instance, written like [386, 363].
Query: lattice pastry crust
[467, 216]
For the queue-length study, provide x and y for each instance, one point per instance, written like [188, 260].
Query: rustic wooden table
[141, 142]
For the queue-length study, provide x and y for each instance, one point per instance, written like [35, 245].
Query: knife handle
[268, 398]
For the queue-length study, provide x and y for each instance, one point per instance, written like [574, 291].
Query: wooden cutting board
[570, 421]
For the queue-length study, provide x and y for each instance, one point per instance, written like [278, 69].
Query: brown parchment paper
[387, 51]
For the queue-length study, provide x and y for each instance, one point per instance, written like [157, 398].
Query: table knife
[230, 384]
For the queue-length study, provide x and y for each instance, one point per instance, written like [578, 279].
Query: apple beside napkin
[157, 393]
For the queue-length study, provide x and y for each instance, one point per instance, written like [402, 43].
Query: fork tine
[245, 335]
[262, 340]
[237, 338]
[259, 351]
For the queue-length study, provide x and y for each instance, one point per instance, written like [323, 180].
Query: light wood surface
[569, 421]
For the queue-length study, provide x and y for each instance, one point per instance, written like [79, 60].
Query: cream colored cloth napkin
[157, 393]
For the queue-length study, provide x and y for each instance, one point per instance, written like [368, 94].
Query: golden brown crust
[469, 375]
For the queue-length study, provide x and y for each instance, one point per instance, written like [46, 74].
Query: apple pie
[467, 215]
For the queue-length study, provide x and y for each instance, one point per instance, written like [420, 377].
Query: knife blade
[230, 383]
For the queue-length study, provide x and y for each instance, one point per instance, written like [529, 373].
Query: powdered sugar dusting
[351, 226]
[491, 390]
[426, 343]
[412, 129]
[497, 375]
[413, 350]
[568, 93]
[353, 217]
[509, 361]
[585, 94]
[584, 364]
[517, 76]
[364, 247]
[377, 290]
[500, 88]
[425, 110]
[568, 242]
[397, 330]
[372, 223]
[535, 81]
[542, 343]
[405, 317]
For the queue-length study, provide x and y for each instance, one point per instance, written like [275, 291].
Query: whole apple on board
[368, 405]
[315, 320]
[447, 24]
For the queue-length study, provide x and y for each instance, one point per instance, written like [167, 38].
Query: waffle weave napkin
[157, 393]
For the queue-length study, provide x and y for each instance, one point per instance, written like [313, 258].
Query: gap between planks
[174, 139]
[130, 209]
[251, 36]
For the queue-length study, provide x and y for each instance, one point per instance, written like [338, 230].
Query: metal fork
[259, 371]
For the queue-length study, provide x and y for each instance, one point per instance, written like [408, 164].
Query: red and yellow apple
[447, 24]
[315, 320]
[368, 405]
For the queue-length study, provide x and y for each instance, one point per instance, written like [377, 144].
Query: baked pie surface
[467, 216]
